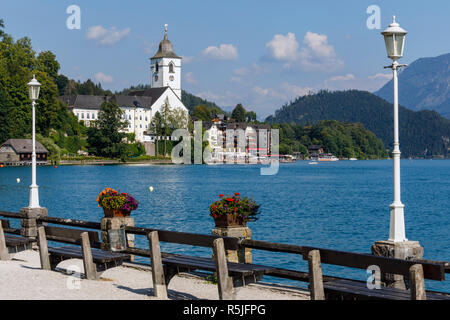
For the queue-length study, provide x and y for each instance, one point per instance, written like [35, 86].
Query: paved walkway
[22, 278]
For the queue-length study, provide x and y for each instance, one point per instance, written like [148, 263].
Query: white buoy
[18, 180]
[150, 188]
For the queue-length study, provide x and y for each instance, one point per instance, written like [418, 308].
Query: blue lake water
[343, 205]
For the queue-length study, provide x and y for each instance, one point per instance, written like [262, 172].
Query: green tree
[238, 113]
[250, 116]
[105, 137]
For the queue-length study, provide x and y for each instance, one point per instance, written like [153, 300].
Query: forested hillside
[421, 132]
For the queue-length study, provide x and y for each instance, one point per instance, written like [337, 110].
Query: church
[139, 107]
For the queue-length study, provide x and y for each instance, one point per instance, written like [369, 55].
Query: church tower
[165, 67]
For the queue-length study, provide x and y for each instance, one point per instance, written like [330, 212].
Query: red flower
[230, 199]
[221, 195]
[237, 194]
[214, 215]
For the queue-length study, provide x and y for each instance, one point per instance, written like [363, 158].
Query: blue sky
[259, 53]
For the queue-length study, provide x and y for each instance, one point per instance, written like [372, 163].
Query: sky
[262, 54]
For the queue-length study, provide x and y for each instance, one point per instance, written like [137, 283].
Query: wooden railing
[431, 269]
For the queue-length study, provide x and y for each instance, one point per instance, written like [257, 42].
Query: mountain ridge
[424, 84]
[422, 133]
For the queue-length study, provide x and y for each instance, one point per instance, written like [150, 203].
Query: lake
[342, 205]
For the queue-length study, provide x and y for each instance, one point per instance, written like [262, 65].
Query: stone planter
[229, 221]
[115, 213]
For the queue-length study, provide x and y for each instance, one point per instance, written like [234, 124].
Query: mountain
[421, 132]
[424, 84]
[191, 101]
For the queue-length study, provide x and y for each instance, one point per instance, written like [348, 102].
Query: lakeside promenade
[22, 278]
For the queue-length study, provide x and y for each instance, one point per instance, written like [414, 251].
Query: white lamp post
[394, 37]
[33, 90]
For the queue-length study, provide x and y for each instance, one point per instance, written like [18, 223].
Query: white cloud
[106, 37]
[223, 52]
[382, 76]
[284, 48]
[315, 54]
[318, 54]
[346, 77]
[253, 70]
[189, 78]
[101, 77]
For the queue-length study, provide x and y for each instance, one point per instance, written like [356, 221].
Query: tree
[250, 116]
[238, 113]
[105, 137]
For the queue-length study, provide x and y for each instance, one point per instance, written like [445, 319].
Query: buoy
[1, 166]
[102, 164]
[150, 188]
[18, 180]
[56, 167]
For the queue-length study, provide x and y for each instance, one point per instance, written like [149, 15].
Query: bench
[95, 260]
[10, 244]
[165, 266]
[342, 289]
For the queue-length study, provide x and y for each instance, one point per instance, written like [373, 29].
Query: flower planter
[114, 213]
[229, 221]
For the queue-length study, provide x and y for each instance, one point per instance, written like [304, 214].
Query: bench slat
[99, 256]
[431, 271]
[16, 240]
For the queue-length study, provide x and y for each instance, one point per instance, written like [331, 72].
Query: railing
[230, 244]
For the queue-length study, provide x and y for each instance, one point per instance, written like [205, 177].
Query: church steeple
[165, 49]
[166, 66]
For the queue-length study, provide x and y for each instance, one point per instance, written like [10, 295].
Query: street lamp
[394, 37]
[33, 90]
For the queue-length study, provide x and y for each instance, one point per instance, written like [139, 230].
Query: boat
[352, 159]
[327, 157]
[313, 162]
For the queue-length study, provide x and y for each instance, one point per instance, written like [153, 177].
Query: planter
[229, 221]
[115, 213]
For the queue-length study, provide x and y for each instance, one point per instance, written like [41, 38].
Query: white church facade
[139, 107]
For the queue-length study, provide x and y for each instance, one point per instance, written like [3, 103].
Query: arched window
[171, 68]
[156, 67]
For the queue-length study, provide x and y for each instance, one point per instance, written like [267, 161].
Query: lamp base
[407, 250]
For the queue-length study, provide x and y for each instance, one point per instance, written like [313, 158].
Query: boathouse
[18, 152]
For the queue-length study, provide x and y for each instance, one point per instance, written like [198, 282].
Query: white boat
[327, 157]
[313, 162]
[352, 159]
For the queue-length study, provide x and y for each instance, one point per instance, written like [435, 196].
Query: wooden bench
[341, 289]
[166, 265]
[10, 244]
[95, 260]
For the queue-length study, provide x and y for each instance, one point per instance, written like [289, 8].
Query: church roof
[95, 102]
[153, 93]
[133, 100]
[165, 49]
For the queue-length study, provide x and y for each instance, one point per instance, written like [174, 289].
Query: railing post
[417, 283]
[29, 223]
[315, 276]
[225, 282]
[43, 249]
[4, 254]
[90, 269]
[159, 282]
